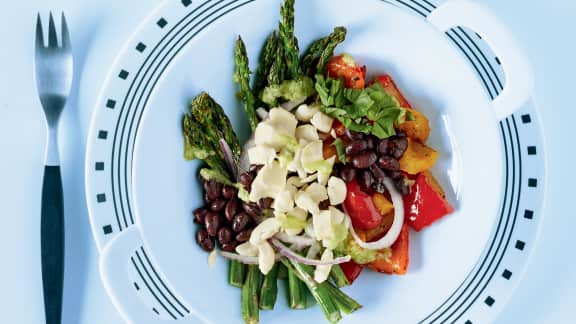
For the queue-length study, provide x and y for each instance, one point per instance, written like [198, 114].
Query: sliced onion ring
[298, 240]
[285, 251]
[394, 231]
[242, 258]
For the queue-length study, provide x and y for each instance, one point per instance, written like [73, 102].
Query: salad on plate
[335, 174]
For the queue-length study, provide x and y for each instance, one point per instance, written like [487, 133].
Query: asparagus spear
[338, 276]
[250, 311]
[269, 290]
[267, 56]
[345, 303]
[282, 271]
[277, 70]
[320, 292]
[311, 57]
[215, 124]
[286, 31]
[236, 273]
[335, 38]
[242, 77]
[296, 291]
[197, 145]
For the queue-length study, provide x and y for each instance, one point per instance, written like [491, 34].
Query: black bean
[371, 141]
[364, 160]
[240, 222]
[252, 210]
[394, 174]
[265, 203]
[254, 168]
[379, 187]
[228, 247]
[400, 134]
[389, 163]
[397, 147]
[225, 235]
[377, 173]
[365, 181]
[218, 205]
[244, 235]
[348, 173]
[200, 215]
[231, 209]
[335, 170]
[382, 147]
[204, 240]
[356, 147]
[212, 223]
[213, 190]
[324, 204]
[351, 135]
[229, 192]
[401, 186]
[246, 179]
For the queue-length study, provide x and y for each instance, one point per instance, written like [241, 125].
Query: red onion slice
[394, 231]
[285, 251]
[229, 158]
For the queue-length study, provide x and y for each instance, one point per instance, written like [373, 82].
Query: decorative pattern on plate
[119, 111]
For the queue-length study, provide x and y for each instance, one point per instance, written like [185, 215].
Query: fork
[54, 70]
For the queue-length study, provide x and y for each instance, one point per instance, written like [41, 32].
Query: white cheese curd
[307, 133]
[294, 181]
[284, 120]
[317, 192]
[296, 164]
[322, 272]
[212, 258]
[267, 133]
[336, 216]
[305, 201]
[305, 113]
[312, 156]
[336, 190]
[296, 215]
[261, 154]
[309, 230]
[265, 230]
[326, 171]
[284, 201]
[322, 224]
[247, 249]
[266, 257]
[269, 182]
[322, 122]
[309, 179]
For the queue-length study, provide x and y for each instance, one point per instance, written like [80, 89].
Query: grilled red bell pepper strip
[397, 263]
[391, 89]
[352, 270]
[360, 207]
[424, 205]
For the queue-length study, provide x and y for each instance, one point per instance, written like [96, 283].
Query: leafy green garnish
[370, 110]
[291, 90]
[340, 150]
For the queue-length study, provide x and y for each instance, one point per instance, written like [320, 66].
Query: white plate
[141, 192]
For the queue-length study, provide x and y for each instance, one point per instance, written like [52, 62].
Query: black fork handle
[52, 243]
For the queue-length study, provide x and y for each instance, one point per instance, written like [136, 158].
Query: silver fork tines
[54, 68]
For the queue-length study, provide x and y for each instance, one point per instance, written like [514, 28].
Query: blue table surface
[547, 294]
